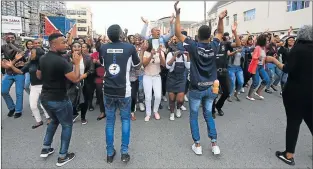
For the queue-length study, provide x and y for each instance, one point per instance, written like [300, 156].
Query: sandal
[133, 117]
[101, 117]
[37, 125]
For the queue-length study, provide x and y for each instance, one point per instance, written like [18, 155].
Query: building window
[71, 12]
[81, 20]
[297, 5]
[235, 17]
[82, 29]
[249, 15]
[227, 20]
[81, 12]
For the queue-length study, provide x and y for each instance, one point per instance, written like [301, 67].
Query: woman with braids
[177, 61]
[78, 92]
[99, 67]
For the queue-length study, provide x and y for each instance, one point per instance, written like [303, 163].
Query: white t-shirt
[180, 59]
[153, 68]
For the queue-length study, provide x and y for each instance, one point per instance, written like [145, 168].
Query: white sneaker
[169, 107]
[141, 107]
[216, 150]
[164, 98]
[186, 98]
[250, 98]
[197, 150]
[147, 118]
[172, 117]
[178, 113]
[135, 108]
[183, 108]
[242, 90]
[261, 97]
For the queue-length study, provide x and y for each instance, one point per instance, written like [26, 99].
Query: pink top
[153, 68]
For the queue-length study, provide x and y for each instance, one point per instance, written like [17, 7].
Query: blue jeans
[274, 74]
[235, 73]
[7, 82]
[60, 112]
[278, 74]
[205, 97]
[284, 78]
[260, 72]
[27, 81]
[111, 104]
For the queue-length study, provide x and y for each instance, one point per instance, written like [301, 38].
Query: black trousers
[298, 107]
[225, 86]
[83, 106]
[134, 93]
[91, 87]
[246, 75]
[99, 94]
[187, 86]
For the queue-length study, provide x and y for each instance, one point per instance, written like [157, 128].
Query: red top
[99, 69]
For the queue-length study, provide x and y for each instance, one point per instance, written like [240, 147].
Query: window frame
[79, 29]
[246, 15]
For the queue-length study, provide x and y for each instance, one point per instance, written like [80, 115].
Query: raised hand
[177, 10]
[144, 20]
[290, 29]
[234, 27]
[223, 14]
[18, 56]
[172, 19]
[7, 63]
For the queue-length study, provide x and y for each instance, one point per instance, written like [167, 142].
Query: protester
[29, 46]
[202, 75]
[52, 70]
[297, 93]
[118, 57]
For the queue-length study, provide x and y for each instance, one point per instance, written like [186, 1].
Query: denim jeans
[205, 97]
[235, 74]
[60, 112]
[278, 73]
[274, 74]
[111, 104]
[141, 93]
[284, 78]
[27, 81]
[260, 72]
[7, 82]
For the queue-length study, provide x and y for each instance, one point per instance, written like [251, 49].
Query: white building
[83, 17]
[258, 16]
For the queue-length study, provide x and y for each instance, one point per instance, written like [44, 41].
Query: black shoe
[111, 158]
[274, 88]
[91, 108]
[69, 157]
[161, 107]
[75, 117]
[46, 152]
[220, 112]
[282, 156]
[125, 158]
[11, 113]
[268, 91]
[97, 102]
[17, 115]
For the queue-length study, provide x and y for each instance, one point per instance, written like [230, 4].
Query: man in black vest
[221, 65]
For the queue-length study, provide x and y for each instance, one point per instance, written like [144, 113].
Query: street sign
[11, 24]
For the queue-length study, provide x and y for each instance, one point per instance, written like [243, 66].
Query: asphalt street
[248, 135]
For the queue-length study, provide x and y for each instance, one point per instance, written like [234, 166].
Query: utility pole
[204, 12]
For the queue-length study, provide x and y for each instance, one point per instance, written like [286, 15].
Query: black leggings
[225, 86]
[134, 92]
[91, 87]
[297, 109]
[99, 94]
[83, 106]
[246, 76]
[187, 87]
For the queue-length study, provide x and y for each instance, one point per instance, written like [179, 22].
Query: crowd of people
[126, 71]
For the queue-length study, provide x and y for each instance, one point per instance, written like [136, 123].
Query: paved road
[248, 135]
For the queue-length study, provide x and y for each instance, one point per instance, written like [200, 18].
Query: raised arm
[237, 40]
[220, 26]
[144, 29]
[178, 33]
[167, 37]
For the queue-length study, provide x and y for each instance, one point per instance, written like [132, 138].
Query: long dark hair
[149, 45]
[88, 46]
[261, 40]
[27, 43]
[98, 45]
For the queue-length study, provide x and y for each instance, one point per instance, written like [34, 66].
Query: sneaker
[268, 91]
[220, 112]
[236, 96]
[215, 149]
[242, 90]
[164, 98]
[197, 150]
[111, 158]
[261, 97]
[229, 99]
[178, 113]
[62, 161]
[75, 117]
[183, 108]
[84, 121]
[46, 152]
[125, 158]
[250, 98]
[11, 113]
[157, 116]
[172, 117]
[186, 98]
[147, 118]
[282, 156]
[142, 107]
[17, 115]
[274, 88]
[168, 107]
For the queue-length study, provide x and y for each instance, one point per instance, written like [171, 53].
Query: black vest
[221, 58]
